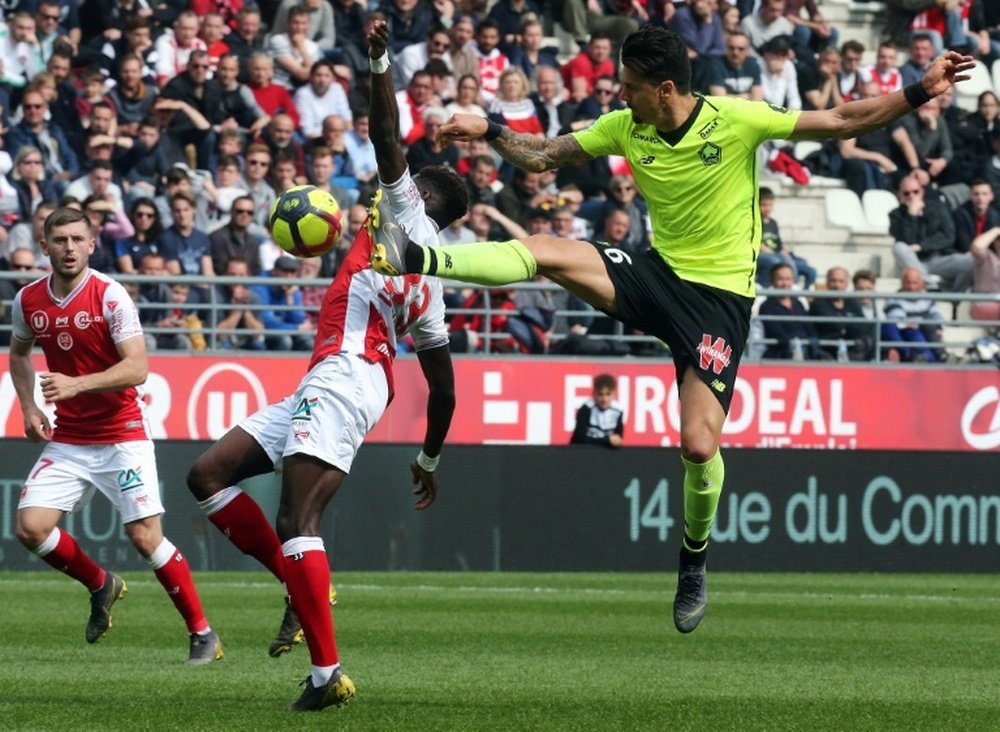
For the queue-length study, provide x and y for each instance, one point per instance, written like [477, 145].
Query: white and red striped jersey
[888, 82]
[490, 68]
[78, 335]
[172, 59]
[364, 312]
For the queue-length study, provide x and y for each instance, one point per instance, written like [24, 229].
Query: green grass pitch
[521, 652]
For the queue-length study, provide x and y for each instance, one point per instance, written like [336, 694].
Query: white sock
[322, 674]
[220, 500]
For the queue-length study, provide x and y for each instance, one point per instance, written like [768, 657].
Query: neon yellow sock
[488, 263]
[702, 487]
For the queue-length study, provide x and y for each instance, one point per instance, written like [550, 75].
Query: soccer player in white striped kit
[88, 329]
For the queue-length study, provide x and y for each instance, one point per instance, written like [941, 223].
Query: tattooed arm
[527, 152]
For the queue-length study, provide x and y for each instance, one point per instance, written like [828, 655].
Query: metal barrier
[214, 308]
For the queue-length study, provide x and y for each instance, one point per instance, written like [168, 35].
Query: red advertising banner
[533, 401]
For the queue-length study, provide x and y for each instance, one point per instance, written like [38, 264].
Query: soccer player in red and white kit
[316, 432]
[88, 329]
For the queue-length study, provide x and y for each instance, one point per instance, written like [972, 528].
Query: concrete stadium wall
[571, 509]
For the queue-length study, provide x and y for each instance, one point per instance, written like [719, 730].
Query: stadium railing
[959, 334]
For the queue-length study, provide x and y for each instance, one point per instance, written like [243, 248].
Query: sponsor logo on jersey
[708, 129]
[130, 478]
[112, 305]
[718, 385]
[303, 410]
[647, 160]
[65, 341]
[62, 321]
[645, 138]
[82, 320]
[302, 434]
[715, 353]
[710, 154]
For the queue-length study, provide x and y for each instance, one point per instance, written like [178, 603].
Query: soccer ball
[305, 221]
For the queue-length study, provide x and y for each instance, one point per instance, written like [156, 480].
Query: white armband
[428, 463]
[379, 65]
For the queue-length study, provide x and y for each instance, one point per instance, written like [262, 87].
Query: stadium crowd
[175, 125]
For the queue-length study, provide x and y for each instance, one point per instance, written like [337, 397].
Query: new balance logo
[714, 353]
[447, 261]
[647, 160]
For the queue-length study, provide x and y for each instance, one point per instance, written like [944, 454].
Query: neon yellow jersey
[700, 183]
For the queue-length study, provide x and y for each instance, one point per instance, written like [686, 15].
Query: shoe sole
[278, 649]
[119, 596]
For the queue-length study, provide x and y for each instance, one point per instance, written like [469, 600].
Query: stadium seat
[843, 208]
[967, 92]
[804, 148]
[877, 204]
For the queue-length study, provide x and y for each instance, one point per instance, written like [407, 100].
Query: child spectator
[600, 420]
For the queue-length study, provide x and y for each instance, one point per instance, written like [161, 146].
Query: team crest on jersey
[303, 410]
[130, 478]
[65, 341]
[715, 353]
[39, 321]
[710, 154]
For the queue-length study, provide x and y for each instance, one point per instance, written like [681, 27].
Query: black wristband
[916, 95]
[493, 130]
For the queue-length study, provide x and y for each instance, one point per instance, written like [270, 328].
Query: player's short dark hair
[658, 54]
[63, 216]
[605, 381]
[448, 199]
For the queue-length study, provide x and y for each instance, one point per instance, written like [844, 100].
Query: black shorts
[703, 326]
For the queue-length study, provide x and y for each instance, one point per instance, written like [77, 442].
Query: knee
[30, 532]
[201, 480]
[698, 443]
[144, 538]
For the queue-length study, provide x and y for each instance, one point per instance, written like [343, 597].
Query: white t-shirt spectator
[313, 109]
[279, 45]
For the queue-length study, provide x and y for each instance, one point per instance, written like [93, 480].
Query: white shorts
[66, 476]
[334, 407]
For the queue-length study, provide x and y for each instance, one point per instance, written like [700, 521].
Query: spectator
[49, 27]
[320, 29]
[292, 51]
[320, 98]
[186, 249]
[258, 165]
[312, 295]
[194, 106]
[868, 161]
[736, 73]
[976, 215]
[61, 164]
[522, 195]
[766, 24]
[107, 224]
[331, 171]
[510, 16]
[921, 53]
[850, 77]
[354, 219]
[239, 106]
[794, 339]
[602, 101]
[136, 40]
[132, 97]
[410, 21]
[412, 102]
[23, 261]
[700, 27]
[912, 321]
[600, 419]
[811, 35]
[930, 150]
[554, 112]
[173, 50]
[147, 228]
[415, 57]
[462, 58]
[479, 333]
[180, 320]
[819, 84]
[582, 71]
[778, 76]
[429, 149]
[144, 167]
[245, 303]
[246, 38]
[362, 153]
[282, 309]
[624, 198]
[852, 341]
[213, 30]
[467, 97]
[28, 233]
[990, 170]
[490, 60]
[971, 135]
[235, 239]
[98, 182]
[581, 18]
[482, 172]
[28, 180]
[529, 55]
[279, 137]
[20, 52]
[283, 174]
[272, 98]
[884, 72]
[924, 233]
[986, 275]
[771, 246]
[512, 108]
[864, 281]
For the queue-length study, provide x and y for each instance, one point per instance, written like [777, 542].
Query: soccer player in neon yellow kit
[694, 159]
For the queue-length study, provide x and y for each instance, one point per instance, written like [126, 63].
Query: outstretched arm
[864, 115]
[436, 366]
[383, 114]
[527, 152]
